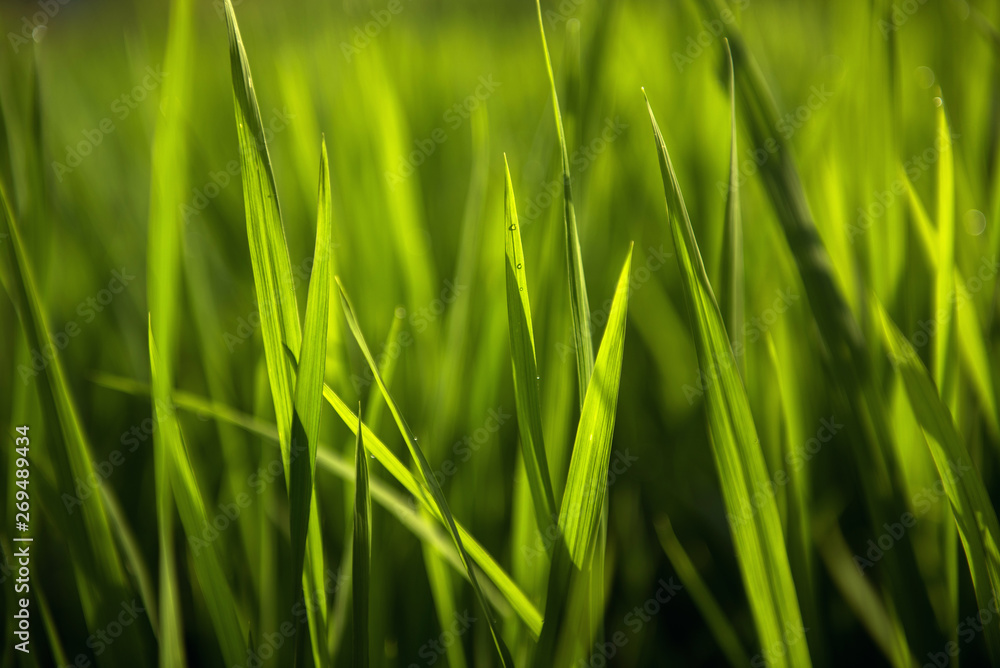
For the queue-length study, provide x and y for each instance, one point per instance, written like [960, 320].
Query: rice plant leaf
[733, 295]
[759, 542]
[522, 355]
[273, 279]
[362, 549]
[214, 583]
[579, 304]
[436, 498]
[587, 481]
[970, 502]
[307, 547]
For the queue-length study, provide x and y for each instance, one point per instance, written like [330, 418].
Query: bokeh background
[418, 113]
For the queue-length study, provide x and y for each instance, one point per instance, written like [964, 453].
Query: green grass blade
[760, 544]
[307, 546]
[273, 281]
[522, 355]
[579, 304]
[361, 561]
[944, 279]
[733, 295]
[430, 484]
[222, 607]
[970, 502]
[586, 483]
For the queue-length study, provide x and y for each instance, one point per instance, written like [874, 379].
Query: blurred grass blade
[970, 502]
[733, 295]
[759, 542]
[214, 584]
[579, 304]
[522, 355]
[430, 484]
[711, 611]
[944, 279]
[307, 546]
[362, 550]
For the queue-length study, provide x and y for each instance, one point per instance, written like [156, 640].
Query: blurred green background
[418, 113]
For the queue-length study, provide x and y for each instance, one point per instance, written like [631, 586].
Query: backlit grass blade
[212, 578]
[436, 497]
[760, 544]
[586, 483]
[307, 546]
[362, 550]
[522, 355]
[579, 304]
[972, 344]
[970, 502]
[273, 281]
[581, 513]
[733, 296]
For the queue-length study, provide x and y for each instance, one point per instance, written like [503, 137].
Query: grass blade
[733, 295]
[430, 483]
[307, 546]
[579, 304]
[362, 550]
[760, 544]
[974, 513]
[522, 355]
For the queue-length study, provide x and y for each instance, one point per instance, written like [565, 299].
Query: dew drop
[518, 266]
[513, 227]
